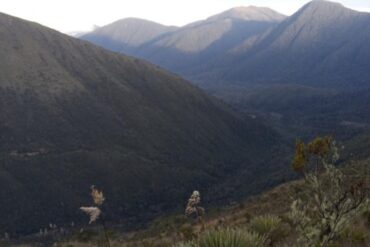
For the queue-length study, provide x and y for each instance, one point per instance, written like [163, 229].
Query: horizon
[84, 16]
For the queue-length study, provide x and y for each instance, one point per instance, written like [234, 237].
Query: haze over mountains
[322, 43]
[183, 49]
[73, 114]
[286, 70]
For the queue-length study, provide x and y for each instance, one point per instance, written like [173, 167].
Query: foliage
[329, 200]
[299, 160]
[320, 149]
[271, 227]
[230, 238]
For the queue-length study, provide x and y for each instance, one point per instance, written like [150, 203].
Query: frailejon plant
[95, 212]
[193, 208]
[330, 199]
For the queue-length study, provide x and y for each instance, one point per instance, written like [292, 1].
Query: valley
[293, 71]
[266, 114]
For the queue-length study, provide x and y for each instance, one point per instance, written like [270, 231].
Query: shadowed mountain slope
[73, 114]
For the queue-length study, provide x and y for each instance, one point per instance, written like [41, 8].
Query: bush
[271, 227]
[330, 199]
[230, 238]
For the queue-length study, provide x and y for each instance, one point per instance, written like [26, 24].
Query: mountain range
[322, 45]
[311, 70]
[73, 114]
[184, 49]
[290, 71]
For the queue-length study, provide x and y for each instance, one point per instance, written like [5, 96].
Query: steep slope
[324, 44]
[127, 34]
[73, 114]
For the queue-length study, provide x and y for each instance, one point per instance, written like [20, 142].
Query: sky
[82, 15]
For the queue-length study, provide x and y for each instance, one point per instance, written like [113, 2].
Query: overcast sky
[81, 15]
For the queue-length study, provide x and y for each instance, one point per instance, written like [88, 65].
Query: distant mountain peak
[250, 13]
[321, 13]
[322, 6]
[136, 21]
[131, 32]
[318, 3]
[133, 22]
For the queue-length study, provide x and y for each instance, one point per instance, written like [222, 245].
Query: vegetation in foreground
[329, 207]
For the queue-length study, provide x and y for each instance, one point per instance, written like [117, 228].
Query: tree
[329, 199]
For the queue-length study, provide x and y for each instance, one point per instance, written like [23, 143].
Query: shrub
[271, 227]
[230, 238]
[329, 200]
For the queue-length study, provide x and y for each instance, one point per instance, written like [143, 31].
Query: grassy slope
[165, 231]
